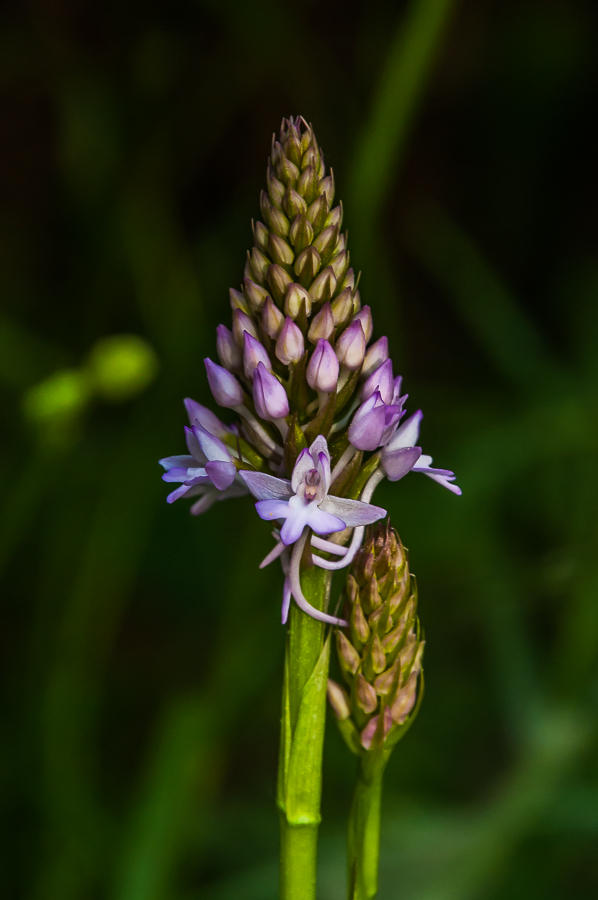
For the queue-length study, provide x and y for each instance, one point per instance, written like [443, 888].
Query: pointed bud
[279, 281]
[226, 390]
[323, 286]
[360, 630]
[269, 396]
[228, 350]
[339, 700]
[367, 735]
[276, 188]
[308, 183]
[287, 171]
[260, 233]
[385, 683]
[280, 251]
[327, 187]
[365, 317]
[317, 212]
[276, 219]
[272, 319]
[253, 354]
[350, 347]
[404, 701]
[375, 356]
[322, 369]
[348, 282]
[290, 345]
[296, 297]
[347, 654]
[322, 325]
[301, 233]
[342, 307]
[254, 294]
[307, 265]
[381, 380]
[326, 242]
[356, 302]
[294, 204]
[238, 301]
[259, 265]
[339, 264]
[374, 658]
[292, 147]
[241, 324]
[365, 695]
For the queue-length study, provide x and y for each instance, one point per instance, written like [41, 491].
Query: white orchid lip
[305, 501]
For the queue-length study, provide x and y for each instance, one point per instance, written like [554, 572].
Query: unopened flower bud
[276, 188]
[238, 301]
[326, 242]
[279, 280]
[327, 187]
[296, 297]
[272, 319]
[322, 325]
[253, 354]
[350, 347]
[360, 630]
[229, 353]
[294, 204]
[347, 654]
[348, 281]
[322, 369]
[380, 380]
[259, 265]
[365, 317]
[290, 344]
[242, 323]
[342, 307]
[365, 695]
[308, 183]
[375, 356]
[260, 233]
[255, 295]
[339, 264]
[280, 251]
[335, 217]
[374, 657]
[292, 147]
[269, 396]
[339, 700]
[317, 212]
[276, 219]
[367, 735]
[287, 171]
[307, 265]
[301, 233]
[404, 701]
[226, 390]
[385, 682]
[323, 286]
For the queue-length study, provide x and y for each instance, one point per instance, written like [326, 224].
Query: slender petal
[352, 512]
[205, 417]
[399, 462]
[286, 599]
[222, 474]
[170, 462]
[408, 433]
[267, 487]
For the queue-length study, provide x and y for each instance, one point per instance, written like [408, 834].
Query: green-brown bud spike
[382, 662]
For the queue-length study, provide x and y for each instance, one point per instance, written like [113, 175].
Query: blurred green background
[141, 649]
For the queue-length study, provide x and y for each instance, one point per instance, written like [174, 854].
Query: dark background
[141, 649]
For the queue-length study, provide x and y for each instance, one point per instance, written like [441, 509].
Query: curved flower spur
[299, 369]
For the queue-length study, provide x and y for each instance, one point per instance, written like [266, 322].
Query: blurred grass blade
[502, 329]
[380, 147]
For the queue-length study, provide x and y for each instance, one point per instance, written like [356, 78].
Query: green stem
[302, 740]
[364, 831]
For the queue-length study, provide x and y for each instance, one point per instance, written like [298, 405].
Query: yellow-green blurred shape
[61, 397]
[121, 367]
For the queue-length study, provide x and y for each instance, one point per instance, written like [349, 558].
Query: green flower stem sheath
[364, 830]
[302, 740]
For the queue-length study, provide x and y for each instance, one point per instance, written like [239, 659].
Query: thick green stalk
[302, 741]
[364, 831]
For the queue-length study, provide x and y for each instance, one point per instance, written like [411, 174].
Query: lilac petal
[319, 445]
[272, 509]
[178, 473]
[222, 474]
[211, 446]
[178, 493]
[204, 503]
[270, 397]
[205, 417]
[286, 599]
[323, 468]
[323, 522]
[408, 433]
[183, 462]
[365, 431]
[396, 391]
[193, 446]
[352, 512]
[274, 553]
[295, 523]
[396, 463]
[267, 487]
[381, 380]
[303, 465]
[375, 356]
[225, 388]
[444, 480]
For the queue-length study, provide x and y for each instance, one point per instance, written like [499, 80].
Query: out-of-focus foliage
[141, 649]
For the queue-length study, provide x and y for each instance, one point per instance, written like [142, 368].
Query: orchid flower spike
[304, 501]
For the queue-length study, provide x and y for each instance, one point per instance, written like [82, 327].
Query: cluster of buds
[382, 661]
[312, 393]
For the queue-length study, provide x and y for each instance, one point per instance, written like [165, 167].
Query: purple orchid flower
[304, 501]
[401, 455]
[375, 421]
[208, 471]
